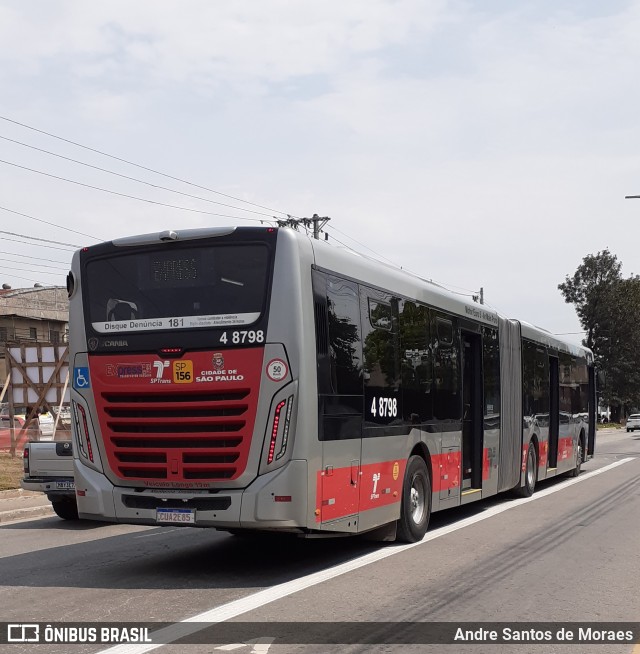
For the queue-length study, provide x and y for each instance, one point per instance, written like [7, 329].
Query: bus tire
[66, 509]
[576, 471]
[530, 474]
[415, 508]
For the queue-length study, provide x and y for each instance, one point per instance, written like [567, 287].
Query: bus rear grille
[176, 436]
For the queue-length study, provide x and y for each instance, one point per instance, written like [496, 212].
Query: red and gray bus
[258, 379]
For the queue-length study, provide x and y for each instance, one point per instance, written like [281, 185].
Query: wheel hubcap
[531, 473]
[417, 501]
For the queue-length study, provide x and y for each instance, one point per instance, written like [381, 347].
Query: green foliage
[608, 305]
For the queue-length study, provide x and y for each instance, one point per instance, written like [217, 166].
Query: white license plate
[176, 516]
[65, 485]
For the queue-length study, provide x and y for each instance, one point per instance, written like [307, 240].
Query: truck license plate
[176, 516]
[65, 485]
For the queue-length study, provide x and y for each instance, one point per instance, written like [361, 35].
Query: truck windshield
[173, 287]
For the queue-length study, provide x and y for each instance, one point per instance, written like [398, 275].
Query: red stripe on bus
[346, 491]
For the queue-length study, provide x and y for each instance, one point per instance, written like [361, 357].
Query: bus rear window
[177, 288]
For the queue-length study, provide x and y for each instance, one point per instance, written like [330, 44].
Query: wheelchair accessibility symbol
[81, 378]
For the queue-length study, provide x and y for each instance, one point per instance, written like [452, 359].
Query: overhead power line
[39, 265]
[131, 163]
[46, 222]
[29, 270]
[125, 195]
[44, 240]
[135, 179]
[38, 245]
[27, 256]
[379, 256]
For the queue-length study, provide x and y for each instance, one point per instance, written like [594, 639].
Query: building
[32, 315]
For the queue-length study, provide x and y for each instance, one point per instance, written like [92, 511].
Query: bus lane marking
[257, 600]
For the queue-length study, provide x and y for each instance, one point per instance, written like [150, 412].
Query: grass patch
[11, 471]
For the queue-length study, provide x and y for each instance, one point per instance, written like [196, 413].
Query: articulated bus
[257, 379]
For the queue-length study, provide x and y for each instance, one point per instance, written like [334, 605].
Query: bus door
[340, 400]
[385, 432]
[593, 403]
[554, 412]
[472, 415]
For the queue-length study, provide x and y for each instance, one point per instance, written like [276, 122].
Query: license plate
[65, 485]
[176, 516]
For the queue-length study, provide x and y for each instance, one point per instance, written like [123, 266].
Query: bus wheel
[415, 509]
[576, 471]
[531, 473]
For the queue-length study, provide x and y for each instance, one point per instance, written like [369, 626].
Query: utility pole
[315, 222]
[318, 224]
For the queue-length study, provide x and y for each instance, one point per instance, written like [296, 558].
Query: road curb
[25, 513]
[14, 493]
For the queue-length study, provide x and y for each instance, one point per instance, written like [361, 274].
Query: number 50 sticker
[277, 370]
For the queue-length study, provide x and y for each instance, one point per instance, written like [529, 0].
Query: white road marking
[261, 598]
[160, 532]
[258, 646]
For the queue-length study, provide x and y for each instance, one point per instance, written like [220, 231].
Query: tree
[590, 290]
[607, 306]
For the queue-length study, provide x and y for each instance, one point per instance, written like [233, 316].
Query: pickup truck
[48, 467]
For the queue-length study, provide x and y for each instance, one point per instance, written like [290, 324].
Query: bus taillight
[285, 433]
[171, 352]
[275, 429]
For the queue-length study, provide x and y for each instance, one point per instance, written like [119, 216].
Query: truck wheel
[65, 509]
[415, 509]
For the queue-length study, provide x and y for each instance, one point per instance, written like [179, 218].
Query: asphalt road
[570, 555]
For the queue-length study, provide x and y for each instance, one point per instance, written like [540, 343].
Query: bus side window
[340, 378]
[345, 345]
[417, 366]
[445, 344]
[566, 391]
[381, 352]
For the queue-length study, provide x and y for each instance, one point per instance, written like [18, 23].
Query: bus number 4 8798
[384, 407]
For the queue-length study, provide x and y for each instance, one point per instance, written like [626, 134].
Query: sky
[478, 144]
